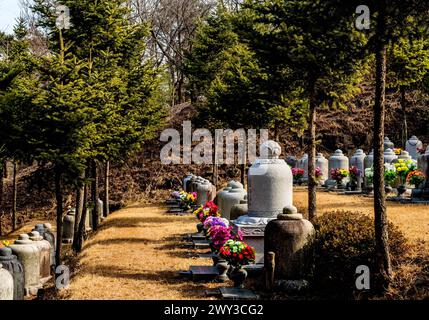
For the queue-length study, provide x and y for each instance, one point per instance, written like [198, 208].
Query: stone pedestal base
[420, 195]
[253, 235]
[33, 290]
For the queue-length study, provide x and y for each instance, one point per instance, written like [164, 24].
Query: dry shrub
[345, 240]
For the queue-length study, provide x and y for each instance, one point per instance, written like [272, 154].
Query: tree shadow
[137, 222]
[120, 241]
[189, 290]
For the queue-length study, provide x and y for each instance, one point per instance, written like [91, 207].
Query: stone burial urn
[45, 230]
[68, 226]
[28, 254]
[45, 255]
[6, 284]
[412, 146]
[10, 263]
[290, 238]
[270, 188]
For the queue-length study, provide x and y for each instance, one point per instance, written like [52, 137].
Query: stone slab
[172, 201]
[175, 210]
[254, 269]
[200, 244]
[353, 192]
[399, 199]
[206, 255]
[420, 201]
[195, 236]
[237, 294]
[203, 273]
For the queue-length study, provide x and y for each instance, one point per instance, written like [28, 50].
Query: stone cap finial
[270, 150]
[35, 236]
[48, 226]
[5, 252]
[338, 152]
[23, 237]
[290, 213]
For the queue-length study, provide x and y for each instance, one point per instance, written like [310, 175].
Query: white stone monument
[270, 187]
[231, 198]
[357, 160]
[388, 144]
[303, 164]
[337, 161]
[323, 164]
[412, 145]
[389, 156]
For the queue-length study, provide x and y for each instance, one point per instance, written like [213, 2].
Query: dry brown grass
[137, 255]
[412, 219]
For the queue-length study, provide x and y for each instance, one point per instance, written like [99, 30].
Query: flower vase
[401, 190]
[238, 275]
[340, 185]
[388, 189]
[222, 267]
[200, 227]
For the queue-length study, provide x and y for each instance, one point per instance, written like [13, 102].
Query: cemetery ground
[138, 251]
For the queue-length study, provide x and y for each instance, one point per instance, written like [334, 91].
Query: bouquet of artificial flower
[237, 253]
[318, 174]
[215, 221]
[397, 151]
[354, 173]
[210, 209]
[218, 235]
[339, 174]
[297, 174]
[187, 200]
[175, 194]
[403, 167]
[369, 175]
[389, 174]
[416, 178]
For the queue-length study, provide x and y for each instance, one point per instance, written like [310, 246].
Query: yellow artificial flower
[6, 243]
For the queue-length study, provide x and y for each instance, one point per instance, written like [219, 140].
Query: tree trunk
[94, 190]
[78, 241]
[383, 263]
[1, 199]
[59, 200]
[243, 175]
[14, 194]
[215, 174]
[79, 209]
[404, 117]
[312, 184]
[106, 200]
[276, 131]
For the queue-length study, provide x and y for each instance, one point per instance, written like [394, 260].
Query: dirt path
[136, 254]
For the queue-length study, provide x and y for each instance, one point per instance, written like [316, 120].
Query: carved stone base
[253, 235]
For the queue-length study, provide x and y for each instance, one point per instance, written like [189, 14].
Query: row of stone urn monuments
[69, 222]
[362, 161]
[27, 264]
[205, 190]
[266, 217]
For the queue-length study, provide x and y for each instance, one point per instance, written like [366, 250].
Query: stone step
[203, 273]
